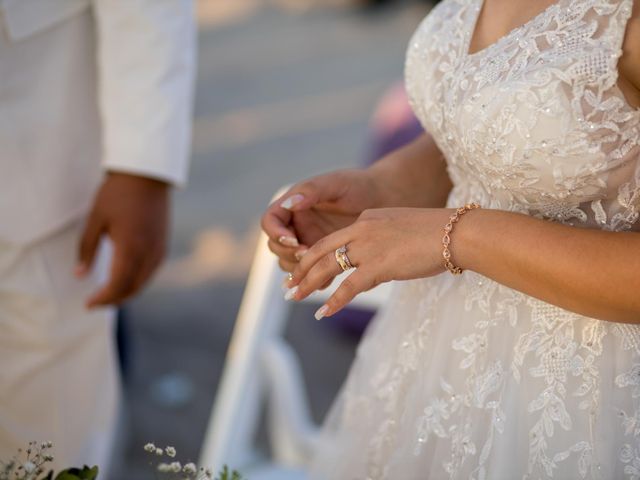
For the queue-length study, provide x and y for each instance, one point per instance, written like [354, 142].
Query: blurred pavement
[284, 91]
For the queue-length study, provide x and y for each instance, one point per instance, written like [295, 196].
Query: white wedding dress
[461, 377]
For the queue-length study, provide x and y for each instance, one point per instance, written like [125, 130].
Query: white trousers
[58, 369]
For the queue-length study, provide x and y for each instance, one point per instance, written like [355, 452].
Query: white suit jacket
[89, 85]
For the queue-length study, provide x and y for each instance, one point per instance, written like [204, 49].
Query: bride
[512, 350]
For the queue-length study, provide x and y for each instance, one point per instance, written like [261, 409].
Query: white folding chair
[260, 368]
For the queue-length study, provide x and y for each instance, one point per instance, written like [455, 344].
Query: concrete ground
[284, 91]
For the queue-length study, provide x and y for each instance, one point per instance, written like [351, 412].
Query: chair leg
[263, 312]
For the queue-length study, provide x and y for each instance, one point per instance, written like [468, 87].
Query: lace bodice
[536, 122]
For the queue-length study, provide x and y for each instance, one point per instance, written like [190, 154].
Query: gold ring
[343, 259]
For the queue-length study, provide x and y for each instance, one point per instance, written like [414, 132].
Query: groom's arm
[146, 64]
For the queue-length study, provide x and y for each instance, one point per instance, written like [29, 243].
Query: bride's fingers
[323, 188]
[289, 254]
[322, 247]
[359, 281]
[275, 223]
[287, 266]
[325, 270]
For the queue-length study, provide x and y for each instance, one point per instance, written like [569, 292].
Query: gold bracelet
[446, 240]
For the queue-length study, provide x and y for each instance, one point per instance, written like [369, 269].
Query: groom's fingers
[89, 242]
[125, 266]
[147, 269]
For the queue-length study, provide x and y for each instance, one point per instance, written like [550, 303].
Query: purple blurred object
[393, 126]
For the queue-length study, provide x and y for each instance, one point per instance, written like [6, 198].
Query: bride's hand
[383, 244]
[315, 208]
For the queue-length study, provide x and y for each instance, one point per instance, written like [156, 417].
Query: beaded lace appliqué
[536, 124]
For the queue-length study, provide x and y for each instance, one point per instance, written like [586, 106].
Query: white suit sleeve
[146, 65]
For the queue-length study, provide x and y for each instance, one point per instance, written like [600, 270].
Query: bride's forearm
[413, 176]
[587, 271]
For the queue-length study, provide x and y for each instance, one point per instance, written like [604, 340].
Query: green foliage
[224, 474]
[85, 473]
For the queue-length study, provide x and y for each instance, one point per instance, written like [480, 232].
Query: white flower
[175, 467]
[159, 452]
[170, 451]
[164, 467]
[150, 447]
[190, 468]
[29, 467]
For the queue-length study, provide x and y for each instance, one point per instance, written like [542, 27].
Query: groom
[95, 100]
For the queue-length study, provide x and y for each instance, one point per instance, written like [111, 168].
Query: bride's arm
[591, 272]
[413, 176]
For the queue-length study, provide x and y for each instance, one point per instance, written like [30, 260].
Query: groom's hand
[134, 212]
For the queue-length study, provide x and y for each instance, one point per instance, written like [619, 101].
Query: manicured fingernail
[292, 201]
[288, 241]
[291, 293]
[321, 312]
[301, 253]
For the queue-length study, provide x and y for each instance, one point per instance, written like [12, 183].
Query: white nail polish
[288, 241]
[321, 312]
[292, 201]
[291, 293]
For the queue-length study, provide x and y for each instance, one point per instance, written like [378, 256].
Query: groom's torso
[49, 121]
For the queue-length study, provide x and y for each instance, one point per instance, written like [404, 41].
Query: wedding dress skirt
[465, 378]
[461, 377]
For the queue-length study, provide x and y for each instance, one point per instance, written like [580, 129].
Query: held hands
[133, 211]
[383, 244]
